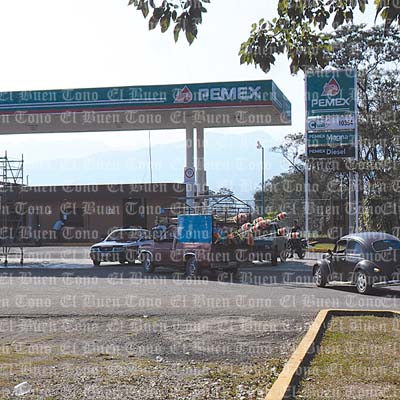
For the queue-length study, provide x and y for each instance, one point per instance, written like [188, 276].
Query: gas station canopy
[206, 105]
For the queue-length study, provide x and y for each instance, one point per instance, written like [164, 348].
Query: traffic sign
[189, 175]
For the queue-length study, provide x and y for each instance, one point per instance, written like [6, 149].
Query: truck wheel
[234, 273]
[131, 258]
[148, 265]
[192, 267]
[320, 277]
[274, 257]
[96, 263]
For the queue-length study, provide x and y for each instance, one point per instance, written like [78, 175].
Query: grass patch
[321, 247]
[359, 358]
[16, 357]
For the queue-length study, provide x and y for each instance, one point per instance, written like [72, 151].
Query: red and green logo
[331, 89]
[183, 96]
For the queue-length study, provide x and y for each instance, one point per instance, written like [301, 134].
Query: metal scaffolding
[12, 217]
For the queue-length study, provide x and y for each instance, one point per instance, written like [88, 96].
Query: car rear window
[386, 245]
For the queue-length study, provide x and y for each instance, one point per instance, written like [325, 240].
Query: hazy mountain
[231, 161]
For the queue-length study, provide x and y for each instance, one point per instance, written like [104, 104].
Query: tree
[327, 194]
[376, 60]
[284, 192]
[292, 150]
[299, 31]
[186, 15]
[224, 191]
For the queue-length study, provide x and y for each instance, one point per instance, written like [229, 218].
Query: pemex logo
[183, 96]
[332, 88]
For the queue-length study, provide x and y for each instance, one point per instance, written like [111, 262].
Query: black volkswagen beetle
[364, 259]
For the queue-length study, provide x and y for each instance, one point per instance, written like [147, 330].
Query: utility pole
[260, 146]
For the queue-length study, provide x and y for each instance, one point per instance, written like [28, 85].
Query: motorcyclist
[296, 228]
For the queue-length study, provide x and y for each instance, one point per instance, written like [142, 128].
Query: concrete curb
[285, 386]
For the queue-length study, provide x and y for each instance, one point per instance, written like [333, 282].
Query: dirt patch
[359, 358]
[145, 357]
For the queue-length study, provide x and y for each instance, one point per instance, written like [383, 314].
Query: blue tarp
[195, 228]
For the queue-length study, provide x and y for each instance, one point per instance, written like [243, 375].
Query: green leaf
[379, 6]
[165, 22]
[153, 21]
[349, 16]
[338, 20]
[282, 6]
[393, 12]
[145, 9]
[190, 36]
[294, 67]
[195, 12]
[177, 30]
[158, 12]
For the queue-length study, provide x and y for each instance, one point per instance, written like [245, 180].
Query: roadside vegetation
[377, 62]
[359, 358]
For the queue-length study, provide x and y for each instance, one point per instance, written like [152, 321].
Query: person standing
[58, 226]
[294, 236]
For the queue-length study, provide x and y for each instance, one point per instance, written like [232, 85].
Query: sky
[54, 44]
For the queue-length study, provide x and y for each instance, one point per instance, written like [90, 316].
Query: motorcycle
[297, 245]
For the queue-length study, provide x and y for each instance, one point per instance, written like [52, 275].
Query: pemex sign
[174, 106]
[331, 114]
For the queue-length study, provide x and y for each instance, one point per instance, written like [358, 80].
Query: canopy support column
[190, 163]
[201, 177]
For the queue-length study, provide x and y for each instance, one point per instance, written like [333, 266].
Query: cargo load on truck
[220, 237]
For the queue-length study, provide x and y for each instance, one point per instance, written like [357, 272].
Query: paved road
[252, 322]
[66, 283]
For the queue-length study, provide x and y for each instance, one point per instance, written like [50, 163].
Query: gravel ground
[146, 357]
